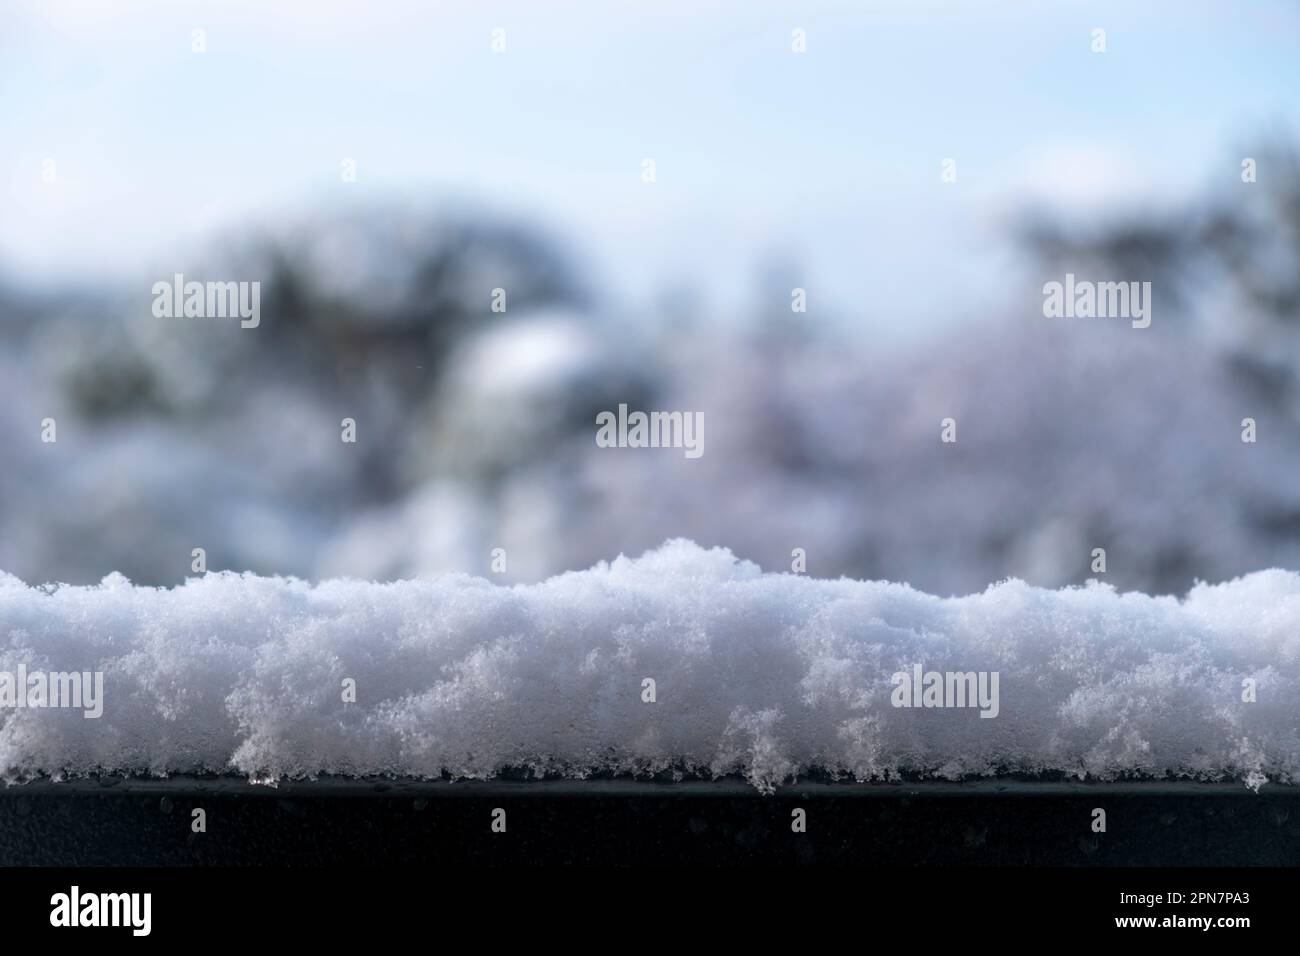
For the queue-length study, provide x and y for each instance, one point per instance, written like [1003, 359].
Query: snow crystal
[761, 674]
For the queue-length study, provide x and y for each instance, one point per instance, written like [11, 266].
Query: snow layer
[767, 675]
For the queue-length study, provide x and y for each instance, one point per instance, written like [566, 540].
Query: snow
[768, 675]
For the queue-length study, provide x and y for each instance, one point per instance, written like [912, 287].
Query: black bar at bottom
[440, 904]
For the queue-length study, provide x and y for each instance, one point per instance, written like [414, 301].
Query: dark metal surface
[147, 822]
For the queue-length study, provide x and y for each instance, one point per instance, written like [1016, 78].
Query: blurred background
[129, 156]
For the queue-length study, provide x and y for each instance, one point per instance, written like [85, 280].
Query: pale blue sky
[832, 156]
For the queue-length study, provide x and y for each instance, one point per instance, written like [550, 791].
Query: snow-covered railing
[684, 660]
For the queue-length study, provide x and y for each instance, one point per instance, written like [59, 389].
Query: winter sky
[828, 159]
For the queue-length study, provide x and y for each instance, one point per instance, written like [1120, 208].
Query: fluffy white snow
[767, 675]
